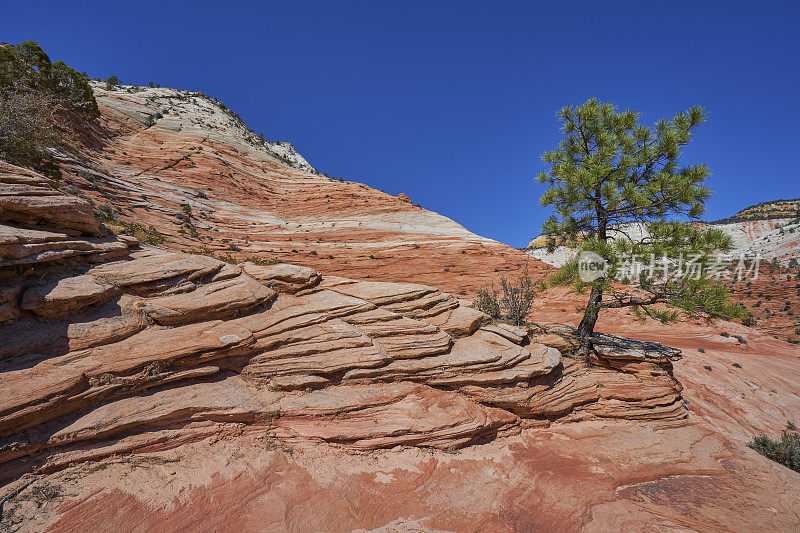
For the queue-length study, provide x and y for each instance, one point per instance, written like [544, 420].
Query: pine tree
[608, 172]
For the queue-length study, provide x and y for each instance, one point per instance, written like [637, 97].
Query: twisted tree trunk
[586, 327]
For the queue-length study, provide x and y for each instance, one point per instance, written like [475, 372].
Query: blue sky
[454, 102]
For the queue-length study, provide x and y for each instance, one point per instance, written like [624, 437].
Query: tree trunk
[586, 327]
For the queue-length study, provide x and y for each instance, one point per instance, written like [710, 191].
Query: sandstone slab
[392, 415]
[151, 272]
[217, 300]
[29, 198]
[66, 296]
[287, 278]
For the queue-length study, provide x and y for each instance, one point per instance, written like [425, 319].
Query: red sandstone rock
[289, 278]
[65, 296]
[29, 198]
[220, 299]
[342, 404]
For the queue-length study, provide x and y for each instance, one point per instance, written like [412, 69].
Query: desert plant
[27, 66]
[27, 127]
[106, 213]
[260, 261]
[517, 299]
[228, 258]
[203, 250]
[148, 235]
[40, 102]
[785, 451]
[489, 302]
[513, 302]
[111, 82]
[152, 119]
[49, 169]
[609, 170]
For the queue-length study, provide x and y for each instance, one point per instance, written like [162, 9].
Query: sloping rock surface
[360, 350]
[353, 364]
[146, 389]
[283, 382]
[184, 163]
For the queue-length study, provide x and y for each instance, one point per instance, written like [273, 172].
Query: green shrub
[152, 119]
[513, 305]
[111, 82]
[488, 302]
[27, 67]
[27, 128]
[228, 258]
[785, 451]
[260, 261]
[149, 235]
[105, 213]
[40, 103]
[203, 250]
[517, 300]
[49, 169]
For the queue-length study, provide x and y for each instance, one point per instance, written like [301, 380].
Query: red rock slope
[242, 200]
[144, 389]
[152, 389]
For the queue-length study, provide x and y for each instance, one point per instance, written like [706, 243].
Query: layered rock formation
[117, 351]
[142, 387]
[206, 182]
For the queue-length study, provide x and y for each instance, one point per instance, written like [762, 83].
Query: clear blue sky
[454, 102]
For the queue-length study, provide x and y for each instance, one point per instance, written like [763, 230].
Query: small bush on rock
[488, 302]
[785, 451]
[517, 299]
[260, 261]
[41, 104]
[149, 235]
[513, 303]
